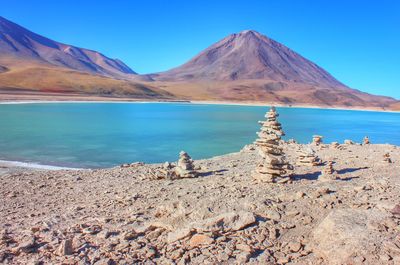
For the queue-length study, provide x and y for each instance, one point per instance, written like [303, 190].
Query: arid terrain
[134, 213]
[242, 67]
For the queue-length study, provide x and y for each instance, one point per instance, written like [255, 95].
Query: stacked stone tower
[386, 158]
[307, 157]
[185, 167]
[317, 140]
[273, 167]
[328, 173]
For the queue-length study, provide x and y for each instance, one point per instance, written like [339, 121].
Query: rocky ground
[132, 214]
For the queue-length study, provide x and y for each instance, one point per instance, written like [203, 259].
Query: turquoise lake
[107, 134]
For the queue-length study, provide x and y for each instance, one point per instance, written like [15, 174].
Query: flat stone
[200, 239]
[294, 246]
[244, 247]
[346, 233]
[273, 215]
[179, 234]
[231, 221]
[129, 235]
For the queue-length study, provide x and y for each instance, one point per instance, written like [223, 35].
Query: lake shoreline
[202, 102]
[33, 165]
[11, 160]
[12, 165]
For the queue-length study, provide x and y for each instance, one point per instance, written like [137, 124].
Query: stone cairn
[317, 139]
[185, 167]
[307, 157]
[273, 167]
[348, 142]
[386, 158]
[366, 140]
[328, 173]
[335, 145]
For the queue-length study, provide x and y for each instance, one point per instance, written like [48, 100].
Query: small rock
[385, 257]
[243, 257]
[294, 246]
[281, 258]
[178, 234]
[129, 235]
[105, 262]
[65, 248]
[154, 234]
[231, 221]
[92, 230]
[200, 239]
[151, 253]
[273, 215]
[244, 247]
[28, 245]
[396, 210]
[321, 191]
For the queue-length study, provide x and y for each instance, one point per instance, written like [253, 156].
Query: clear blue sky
[357, 41]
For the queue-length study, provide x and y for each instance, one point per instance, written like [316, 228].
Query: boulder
[226, 222]
[346, 234]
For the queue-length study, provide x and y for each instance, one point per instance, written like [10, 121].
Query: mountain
[242, 67]
[22, 44]
[250, 55]
[249, 66]
[33, 65]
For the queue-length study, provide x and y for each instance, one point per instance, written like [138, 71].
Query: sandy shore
[127, 215]
[17, 166]
[50, 98]
[262, 104]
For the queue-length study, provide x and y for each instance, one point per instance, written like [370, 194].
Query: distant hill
[30, 62]
[250, 55]
[3, 69]
[395, 106]
[248, 66]
[22, 44]
[242, 67]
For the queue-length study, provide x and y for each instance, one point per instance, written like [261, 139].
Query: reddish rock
[396, 210]
[200, 239]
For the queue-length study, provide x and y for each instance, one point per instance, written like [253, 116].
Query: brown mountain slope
[22, 44]
[30, 63]
[272, 92]
[250, 55]
[33, 77]
[243, 67]
[3, 69]
[248, 66]
[395, 106]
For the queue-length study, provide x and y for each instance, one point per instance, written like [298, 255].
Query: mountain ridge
[242, 67]
[22, 43]
[249, 55]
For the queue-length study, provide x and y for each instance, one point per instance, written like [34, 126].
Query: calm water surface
[108, 134]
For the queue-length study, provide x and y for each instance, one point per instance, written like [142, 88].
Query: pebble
[66, 248]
